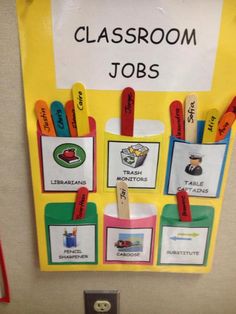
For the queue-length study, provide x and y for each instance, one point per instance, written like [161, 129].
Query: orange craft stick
[70, 114]
[44, 118]
[224, 125]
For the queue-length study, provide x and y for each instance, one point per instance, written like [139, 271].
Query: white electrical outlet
[102, 306]
[101, 301]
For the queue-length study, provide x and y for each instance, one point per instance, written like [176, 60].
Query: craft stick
[232, 106]
[122, 200]
[44, 118]
[59, 119]
[224, 125]
[177, 120]
[183, 206]
[191, 118]
[70, 114]
[80, 203]
[81, 114]
[211, 126]
[127, 111]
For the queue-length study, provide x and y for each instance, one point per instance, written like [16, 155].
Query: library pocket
[198, 168]
[185, 243]
[133, 159]
[129, 240]
[68, 163]
[71, 241]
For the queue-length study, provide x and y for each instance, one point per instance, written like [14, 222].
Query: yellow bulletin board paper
[164, 51]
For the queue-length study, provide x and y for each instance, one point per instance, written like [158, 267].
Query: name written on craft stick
[70, 114]
[80, 203]
[59, 119]
[211, 126]
[224, 125]
[123, 200]
[44, 118]
[177, 120]
[183, 206]
[127, 111]
[191, 118]
[80, 105]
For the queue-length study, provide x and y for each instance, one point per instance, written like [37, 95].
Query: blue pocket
[198, 168]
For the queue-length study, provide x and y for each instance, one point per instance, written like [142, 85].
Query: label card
[196, 168]
[129, 244]
[72, 244]
[120, 41]
[183, 245]
[133, 162]
[67, 163]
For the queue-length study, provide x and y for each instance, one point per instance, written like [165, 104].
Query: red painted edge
[6, 298]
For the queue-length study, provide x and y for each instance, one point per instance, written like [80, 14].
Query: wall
[35, 292]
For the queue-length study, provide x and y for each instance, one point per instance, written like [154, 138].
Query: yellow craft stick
[81, 114]
[191, 118]
[44, 118]
[122, 200]
[211, 126]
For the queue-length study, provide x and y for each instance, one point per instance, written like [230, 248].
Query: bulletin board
[164, 50]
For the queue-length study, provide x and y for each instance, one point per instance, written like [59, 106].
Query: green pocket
[71, 241]
[185, 243]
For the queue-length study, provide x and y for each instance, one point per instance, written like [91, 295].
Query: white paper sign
[63, 173]
[183, 245]
[73, 244]
[156, 45]
[196, 168]
[129, 244]
[138, 171]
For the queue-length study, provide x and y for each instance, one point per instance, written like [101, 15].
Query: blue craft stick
[59, 119]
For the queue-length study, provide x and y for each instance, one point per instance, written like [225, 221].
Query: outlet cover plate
[112, 296]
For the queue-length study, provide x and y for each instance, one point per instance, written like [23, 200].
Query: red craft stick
[232, 106]
[6, 297]
[177, 120]
[80, 204]
[127, 111]
[70, 114]
[183, 206]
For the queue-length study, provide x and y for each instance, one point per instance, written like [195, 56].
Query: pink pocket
[130, 241]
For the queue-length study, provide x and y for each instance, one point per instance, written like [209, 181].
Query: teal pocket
[71, 241]
[185, 243]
